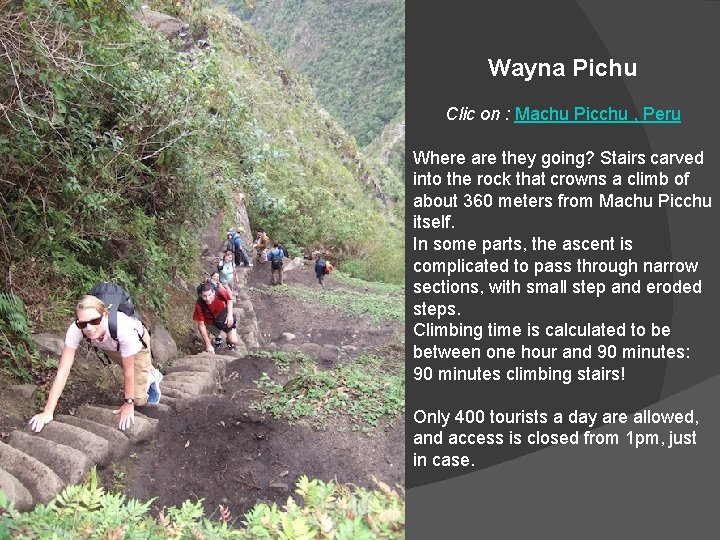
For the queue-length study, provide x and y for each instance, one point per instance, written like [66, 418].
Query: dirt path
[218, 449]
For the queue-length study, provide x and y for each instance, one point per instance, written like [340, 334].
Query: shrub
[327, 510]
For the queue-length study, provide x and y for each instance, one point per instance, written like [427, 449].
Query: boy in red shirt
[214, 312]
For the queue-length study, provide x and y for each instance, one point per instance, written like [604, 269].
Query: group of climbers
[213, 312]
[235, 255]
[122, 337]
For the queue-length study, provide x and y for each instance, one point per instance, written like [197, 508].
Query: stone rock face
[48, 343]
[25, 391]
[163, 345]
[292, 264]
[169, 27]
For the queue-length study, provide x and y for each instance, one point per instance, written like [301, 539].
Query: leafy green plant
[17, 350]
[366, 390]
[268, 384]
[330, 510]
[284, 359]
[326, 510]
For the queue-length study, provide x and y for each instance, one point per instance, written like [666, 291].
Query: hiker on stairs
[214, 312]
[276, 265]
[260, 245]
[320, 265]
[226, 270]
[131, 351]
[235, 245]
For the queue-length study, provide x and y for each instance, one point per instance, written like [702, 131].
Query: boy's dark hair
[275, 244]
[207, 286]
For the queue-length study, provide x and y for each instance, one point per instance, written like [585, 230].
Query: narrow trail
[36, 467]
[204, 441]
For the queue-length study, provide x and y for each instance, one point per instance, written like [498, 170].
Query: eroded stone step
[201, 378]
[68, 463]
[119, 443]
[173, 394]
[187, 387]
[210, 363]
[40, 480]
[15, 491]
[142, 430]
[155, 410]
[94, 446]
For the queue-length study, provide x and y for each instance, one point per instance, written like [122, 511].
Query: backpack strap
[112, 324]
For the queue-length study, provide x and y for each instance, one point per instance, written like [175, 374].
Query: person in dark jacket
[235, 245]
[276, 265]
[320, 269]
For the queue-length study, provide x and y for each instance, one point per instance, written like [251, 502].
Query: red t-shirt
[216, 306]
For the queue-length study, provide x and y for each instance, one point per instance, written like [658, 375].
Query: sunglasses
[83, 324]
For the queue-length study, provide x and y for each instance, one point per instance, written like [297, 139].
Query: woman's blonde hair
[91, 302]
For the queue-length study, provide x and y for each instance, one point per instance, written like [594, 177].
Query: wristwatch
[129, 400]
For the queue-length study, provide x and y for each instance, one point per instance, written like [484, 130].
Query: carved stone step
[95, 447]
[15, 491]
[39, 479]
[68, 463]
[142, 430]
[202, 362]
[119, 443]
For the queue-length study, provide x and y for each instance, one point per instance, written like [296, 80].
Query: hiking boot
[154, 390]
[218, 342]
[231, 347]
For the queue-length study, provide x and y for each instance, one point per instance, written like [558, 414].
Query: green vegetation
[284, 359]
[389, 147]
[374, 286]
[377, 306]
[353, 53]
[18, 352]
[366, 390]
[327, 510]
[102, 147]
[117, 146]
[299, 190]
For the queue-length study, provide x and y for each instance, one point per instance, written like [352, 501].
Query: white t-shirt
[128, 330]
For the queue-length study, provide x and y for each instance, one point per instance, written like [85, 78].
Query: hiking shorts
[217, 328]
[143, 369]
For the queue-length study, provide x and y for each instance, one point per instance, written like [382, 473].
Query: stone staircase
[35, 467]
